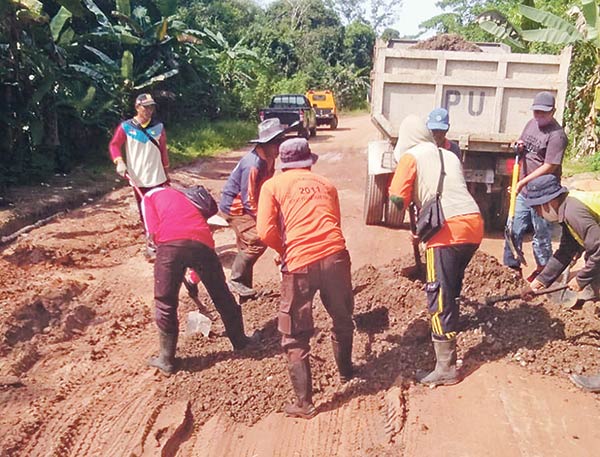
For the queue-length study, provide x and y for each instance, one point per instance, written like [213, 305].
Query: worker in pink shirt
[184, 240]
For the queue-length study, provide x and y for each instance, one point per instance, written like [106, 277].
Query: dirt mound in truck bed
[447, 42]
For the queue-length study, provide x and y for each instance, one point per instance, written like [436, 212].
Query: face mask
[549, 213]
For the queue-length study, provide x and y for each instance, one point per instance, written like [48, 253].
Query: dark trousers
[172, 259]
[331, 276]
[250, 248]
[446, 267]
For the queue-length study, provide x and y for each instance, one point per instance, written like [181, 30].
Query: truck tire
[375, 196]
[393, 216]
[334, 123]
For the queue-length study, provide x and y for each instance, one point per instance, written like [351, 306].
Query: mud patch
[447, 42]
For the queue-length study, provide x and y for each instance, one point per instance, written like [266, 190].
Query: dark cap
[295, 153]
[144, 100]
[543, 189]
[543, 101]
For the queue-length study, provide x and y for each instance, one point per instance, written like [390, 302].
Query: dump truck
[488, 95]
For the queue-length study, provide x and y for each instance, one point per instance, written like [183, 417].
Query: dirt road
[76, 326]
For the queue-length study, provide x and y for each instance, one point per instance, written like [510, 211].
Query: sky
[412, 13]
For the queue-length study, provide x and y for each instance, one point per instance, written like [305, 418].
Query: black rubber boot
[234, 329]
[241, 275]
[589, 383]
[445, 373]
[165, 361]
[342, 353]
[302, 384]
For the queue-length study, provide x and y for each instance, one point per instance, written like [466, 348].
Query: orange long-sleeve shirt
[299, 216]
[466, 228]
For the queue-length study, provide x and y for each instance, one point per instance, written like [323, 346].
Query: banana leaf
[32, 5]
[500, 32]
[590, 12]
[73, 6]
[66, 38]
[103, 57]
[100, 16]
[58, 22]
[41, 90]
[127, 65]
[157, 78]
[166, 7]
[551, 36]
[95, 75]
[124, 7]
[551, 22]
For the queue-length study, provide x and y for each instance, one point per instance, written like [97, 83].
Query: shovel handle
[412, 217]
[498, 298]
[513, 188]
[136, 188]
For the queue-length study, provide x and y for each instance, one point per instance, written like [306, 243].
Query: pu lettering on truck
[453, 98]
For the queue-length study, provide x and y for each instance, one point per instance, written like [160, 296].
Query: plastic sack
[197, 323]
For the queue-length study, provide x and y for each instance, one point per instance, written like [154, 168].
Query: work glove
[528, 292]
[397, 201]
[121, 166]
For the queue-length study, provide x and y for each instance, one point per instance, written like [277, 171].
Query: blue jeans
[525, 218]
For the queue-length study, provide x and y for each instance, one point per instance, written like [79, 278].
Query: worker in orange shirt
[299, 217]
[450, 250]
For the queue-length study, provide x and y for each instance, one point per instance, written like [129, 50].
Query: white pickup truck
[488, 95]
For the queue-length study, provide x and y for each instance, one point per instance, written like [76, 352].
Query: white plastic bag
[197, 323]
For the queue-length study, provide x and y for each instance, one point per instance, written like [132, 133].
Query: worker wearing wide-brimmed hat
[239, 202]
[579, 214]
[299, 217]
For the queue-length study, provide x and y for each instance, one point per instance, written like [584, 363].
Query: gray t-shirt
[545, 145]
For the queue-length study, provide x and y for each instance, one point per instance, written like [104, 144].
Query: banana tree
[584, 34]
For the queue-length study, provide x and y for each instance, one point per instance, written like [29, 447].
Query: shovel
[508, 230]
[565, 297]
[415, 271]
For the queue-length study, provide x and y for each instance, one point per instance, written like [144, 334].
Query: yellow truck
[323, 103]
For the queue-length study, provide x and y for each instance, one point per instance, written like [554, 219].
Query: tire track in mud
[353, 429]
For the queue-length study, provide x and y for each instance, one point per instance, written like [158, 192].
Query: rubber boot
[302, 384]
[342, 353]
[234, 329]
[241, 275]
[589, 383]
[445, 373]
[165, 361]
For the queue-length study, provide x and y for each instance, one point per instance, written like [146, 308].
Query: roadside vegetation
[70, 69]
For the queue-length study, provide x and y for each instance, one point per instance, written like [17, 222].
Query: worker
[438, 122]
[542, 145]
[184, 240]
[146, 157]
[579, 215]
[239, 202]
[418, 178]
[299, 217]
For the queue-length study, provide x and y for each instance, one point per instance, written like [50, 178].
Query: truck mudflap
[377, 207]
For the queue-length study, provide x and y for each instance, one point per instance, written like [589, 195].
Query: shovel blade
[510, 240]
[567, 298]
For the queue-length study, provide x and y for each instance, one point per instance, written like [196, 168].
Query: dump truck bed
[488, 94]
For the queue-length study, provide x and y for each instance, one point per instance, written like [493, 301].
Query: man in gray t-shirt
[542, 145]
